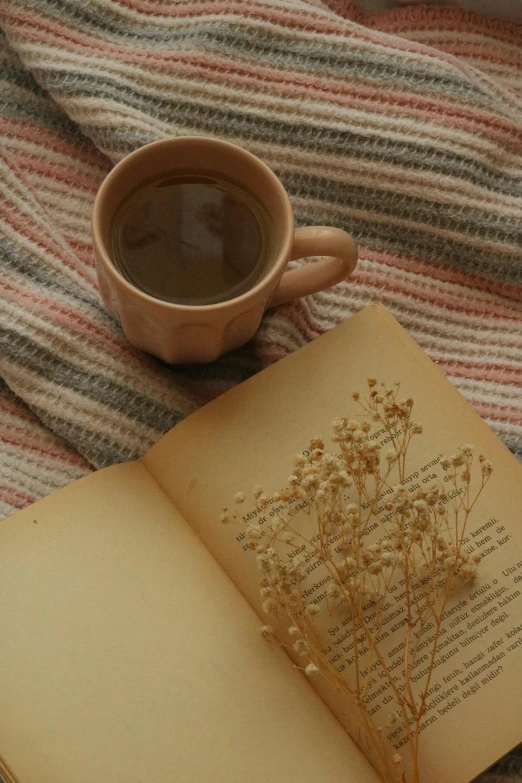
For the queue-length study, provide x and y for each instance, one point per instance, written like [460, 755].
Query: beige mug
[179, 333]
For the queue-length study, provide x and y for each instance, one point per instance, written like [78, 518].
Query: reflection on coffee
[192, 240]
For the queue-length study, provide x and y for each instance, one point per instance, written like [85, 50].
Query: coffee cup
[192, 237]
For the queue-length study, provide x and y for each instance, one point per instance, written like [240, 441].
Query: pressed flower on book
[334, 504]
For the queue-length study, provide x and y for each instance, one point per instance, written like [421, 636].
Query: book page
[250, 436]
[128, 655]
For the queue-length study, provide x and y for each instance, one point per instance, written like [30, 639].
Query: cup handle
[316, 241]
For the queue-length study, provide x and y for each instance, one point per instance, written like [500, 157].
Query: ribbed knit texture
[413, 147]
[404, 128]
[33, 460]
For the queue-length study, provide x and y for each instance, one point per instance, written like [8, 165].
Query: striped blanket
[403, 127]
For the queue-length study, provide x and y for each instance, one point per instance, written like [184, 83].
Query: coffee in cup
[192, 237]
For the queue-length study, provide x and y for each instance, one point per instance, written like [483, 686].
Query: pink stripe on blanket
[44, 138]
[498, 412]
[14, 497]
[54, 170]
[503, 373]
[420, 291]
[447, 274]
[508, 59]
[19, 437]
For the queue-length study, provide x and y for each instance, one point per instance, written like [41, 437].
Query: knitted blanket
[404, 128]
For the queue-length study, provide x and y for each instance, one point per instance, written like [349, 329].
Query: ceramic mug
[179, 333]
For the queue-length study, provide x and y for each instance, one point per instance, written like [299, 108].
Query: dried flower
[301, 647]
[333, 591]
[375, 545]
[487, 468]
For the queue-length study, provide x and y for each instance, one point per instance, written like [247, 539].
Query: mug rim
[272, 274]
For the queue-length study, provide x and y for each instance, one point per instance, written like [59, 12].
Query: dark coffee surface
[191, 240]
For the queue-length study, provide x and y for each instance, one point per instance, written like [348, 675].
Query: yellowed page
[128, 655]
[250, 436]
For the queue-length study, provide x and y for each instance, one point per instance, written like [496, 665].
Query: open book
[130, 615]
